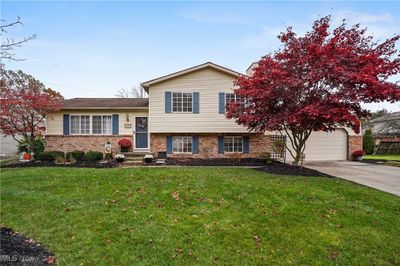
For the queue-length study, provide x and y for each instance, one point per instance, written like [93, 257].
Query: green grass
[183, 216]
[382, 157]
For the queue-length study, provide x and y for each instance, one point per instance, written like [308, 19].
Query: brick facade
[208, 144]
[82, 143]
[354, 143]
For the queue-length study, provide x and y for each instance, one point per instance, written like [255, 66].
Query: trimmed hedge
[77, 155]
[50, 156]
[93, 156]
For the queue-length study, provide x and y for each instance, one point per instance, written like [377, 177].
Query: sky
[95, 48]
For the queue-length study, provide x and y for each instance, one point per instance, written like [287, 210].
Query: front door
[141, 134]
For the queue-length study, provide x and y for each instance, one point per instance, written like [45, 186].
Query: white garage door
[325, 146]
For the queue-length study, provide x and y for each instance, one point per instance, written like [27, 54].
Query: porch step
[134, 154]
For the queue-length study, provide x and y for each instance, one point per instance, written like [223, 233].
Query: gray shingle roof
[98, 103]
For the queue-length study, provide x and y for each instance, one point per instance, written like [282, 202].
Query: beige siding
[55, 120]
[208, 82]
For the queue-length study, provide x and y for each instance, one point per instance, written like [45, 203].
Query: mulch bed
[273, 168]
[17, 249]
[216, 162]
[84, 164]
[286, 169]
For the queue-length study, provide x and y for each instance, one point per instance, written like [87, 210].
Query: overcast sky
[95, 48]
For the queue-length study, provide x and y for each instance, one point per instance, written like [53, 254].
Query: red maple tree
[24, 102]
[317, 82]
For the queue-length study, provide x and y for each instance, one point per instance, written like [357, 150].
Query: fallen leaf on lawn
[178, 250]
[257, 239]
[51, 260]
[175, 195]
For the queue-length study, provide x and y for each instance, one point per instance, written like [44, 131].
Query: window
[182, 102]
[102, 124]
[96, 124]
[107, 124]
[233, 144]
[80, 124]
[181, 144]
[278, 147]
[85, 124]
[75, 124]
[231, 97]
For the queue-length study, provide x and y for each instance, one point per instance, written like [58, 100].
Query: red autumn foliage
[24, 102]
[317, 82]
[126, 143]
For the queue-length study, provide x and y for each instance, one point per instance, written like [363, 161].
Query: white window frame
[181, 150]
[90, 124]
[182, 103]
[235, 146]
[236, 98]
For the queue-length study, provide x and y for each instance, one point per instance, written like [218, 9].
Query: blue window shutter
[196, 102]
[66, 124]
[195, 144]
[168, 101]
[169, 144]
[246, 148]
[221, 145]
[115, 124]
[221, 102]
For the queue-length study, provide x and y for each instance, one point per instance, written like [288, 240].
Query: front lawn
[382, 157]
[231, 216]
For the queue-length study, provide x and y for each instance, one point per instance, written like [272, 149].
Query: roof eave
[105, 107]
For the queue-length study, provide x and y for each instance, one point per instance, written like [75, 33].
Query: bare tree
[8, 44]
[134, 92]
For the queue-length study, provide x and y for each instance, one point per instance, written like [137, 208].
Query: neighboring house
[386, 126]
[8, 145]
[184, 116]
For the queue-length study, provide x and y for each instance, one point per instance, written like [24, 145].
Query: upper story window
[80, 124]
[182, 144]
[182, 102]
[231, 97]
[233, 144]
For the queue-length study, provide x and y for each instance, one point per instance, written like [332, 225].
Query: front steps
[136, 159]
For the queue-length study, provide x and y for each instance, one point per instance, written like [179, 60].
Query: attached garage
[325, 146]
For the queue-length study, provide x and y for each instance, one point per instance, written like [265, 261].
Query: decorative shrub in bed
[357, 155]
[77, 155]
[125, 144]
[49, 156]
[93, 156]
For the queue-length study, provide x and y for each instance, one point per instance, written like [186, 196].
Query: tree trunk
[298, 140]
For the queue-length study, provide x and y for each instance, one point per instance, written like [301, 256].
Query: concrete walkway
[385, 178]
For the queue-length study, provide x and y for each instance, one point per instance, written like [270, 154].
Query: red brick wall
[82, 143]
[208, 144]
[355, 143]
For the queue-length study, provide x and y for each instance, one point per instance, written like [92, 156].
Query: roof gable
[225, 70]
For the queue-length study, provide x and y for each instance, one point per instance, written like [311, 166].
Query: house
[184, 116]
[386, 126]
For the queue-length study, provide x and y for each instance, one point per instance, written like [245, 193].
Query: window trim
[233, 144]
[182, 152]
[90, 125]
[172, 102]
[244, 103]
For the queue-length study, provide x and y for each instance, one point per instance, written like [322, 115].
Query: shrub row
[50, 156]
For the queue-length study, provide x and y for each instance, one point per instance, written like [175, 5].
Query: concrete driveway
[385, 178]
